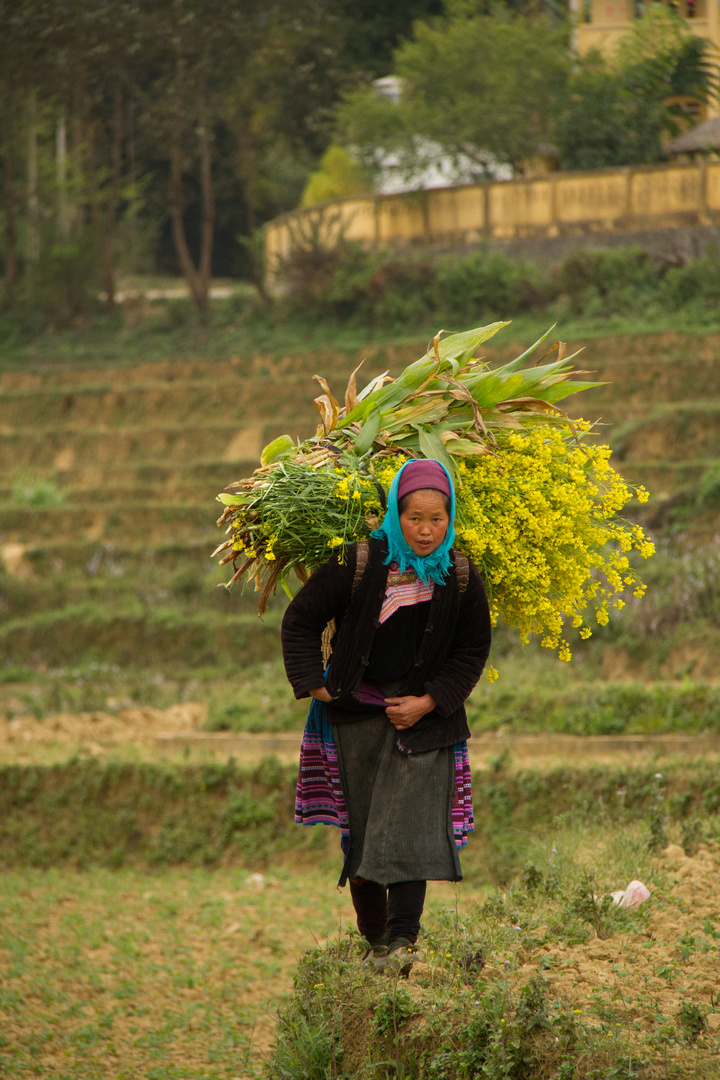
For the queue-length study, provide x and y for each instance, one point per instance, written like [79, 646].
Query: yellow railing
[555, 204]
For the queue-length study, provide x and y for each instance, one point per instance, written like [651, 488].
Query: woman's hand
[321, 694]
[403, 712]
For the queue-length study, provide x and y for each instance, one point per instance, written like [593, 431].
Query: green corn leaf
[412, 378]
[515, 364]
[369, 432]
[461, 347]
[278, 448]
[562, 390]
[372, 385]
[432, 446]
[490, 387]
[406, 440]
[422, 412]
[463, 447]
[358, 415]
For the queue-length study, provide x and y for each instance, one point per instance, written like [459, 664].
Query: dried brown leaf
[239, 573]
[351, 397]
[328, 409]
[528, 404]
[324, 383]
[270, 584]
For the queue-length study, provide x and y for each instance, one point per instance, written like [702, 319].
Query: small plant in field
[693, 1021]
[532, 878]
[304, 1049]
[630, 1068]
[393, 1010]
[687, 945]
[509, 1037]
[593, 908]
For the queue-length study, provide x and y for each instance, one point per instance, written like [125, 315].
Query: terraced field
[107, 511]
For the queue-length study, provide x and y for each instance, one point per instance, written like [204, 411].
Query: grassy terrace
[113, 455]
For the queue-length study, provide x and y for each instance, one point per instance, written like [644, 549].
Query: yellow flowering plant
[538, 502]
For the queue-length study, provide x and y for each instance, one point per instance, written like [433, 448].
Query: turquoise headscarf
[433, 567]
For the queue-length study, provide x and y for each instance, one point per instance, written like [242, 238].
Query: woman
[412, 634]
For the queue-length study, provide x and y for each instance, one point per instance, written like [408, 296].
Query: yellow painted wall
[611, 19]
[712, 188]
[673, 191]
[596, 199]
[609, 200]
[521, 208]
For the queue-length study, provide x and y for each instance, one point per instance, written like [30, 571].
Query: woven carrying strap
[361, 561]
[462, 571]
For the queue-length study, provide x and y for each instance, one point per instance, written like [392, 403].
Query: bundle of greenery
[538, 503]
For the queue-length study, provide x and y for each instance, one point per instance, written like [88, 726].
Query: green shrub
[697, 283]
[326, 283]
[620, 280]
[400, 292]
[486, 283]
[383, 290]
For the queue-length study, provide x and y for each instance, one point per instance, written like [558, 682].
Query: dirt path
[177, 733]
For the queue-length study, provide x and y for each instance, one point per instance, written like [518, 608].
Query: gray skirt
[399, 806]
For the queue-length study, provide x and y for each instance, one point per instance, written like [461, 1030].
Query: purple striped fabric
[463, 819]
[319, 797]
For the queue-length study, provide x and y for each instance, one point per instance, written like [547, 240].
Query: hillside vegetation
[107, 523]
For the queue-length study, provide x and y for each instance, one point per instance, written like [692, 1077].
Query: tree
[662, 58]
[604, 123]
[197, 120]
[619, 109]
[338, 177]
[472, 85]
[18, 68]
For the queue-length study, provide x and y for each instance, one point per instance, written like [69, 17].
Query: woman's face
[424, 521]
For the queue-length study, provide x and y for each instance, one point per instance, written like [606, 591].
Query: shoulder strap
[462, 571]
[361, 560]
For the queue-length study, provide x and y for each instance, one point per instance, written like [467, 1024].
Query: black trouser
[388, 914]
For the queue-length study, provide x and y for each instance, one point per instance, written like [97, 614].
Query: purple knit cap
[420, 474]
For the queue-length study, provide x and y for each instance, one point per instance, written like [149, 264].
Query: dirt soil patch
[94, 732]
[648, 975]
[642, 980]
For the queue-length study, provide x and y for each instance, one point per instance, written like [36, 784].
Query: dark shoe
[373, 953]
[398, 960]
